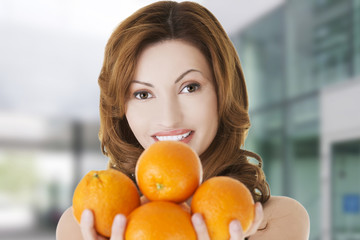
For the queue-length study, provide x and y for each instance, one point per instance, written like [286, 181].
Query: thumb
[87, 225]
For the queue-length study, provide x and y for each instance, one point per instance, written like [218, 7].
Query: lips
[183, 135]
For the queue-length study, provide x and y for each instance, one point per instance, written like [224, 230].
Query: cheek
[204, 118]
[204, 112]
[209, 108]
[210, 116]
[135, 115]
[210, 119]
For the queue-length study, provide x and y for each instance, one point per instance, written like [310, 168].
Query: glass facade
[40, 164]
[346, 190]
[288, 56]
[356, 34]
[333, 41]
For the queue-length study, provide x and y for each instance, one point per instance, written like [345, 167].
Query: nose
[170, 113]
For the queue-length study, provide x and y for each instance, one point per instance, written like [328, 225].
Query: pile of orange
[168, 173]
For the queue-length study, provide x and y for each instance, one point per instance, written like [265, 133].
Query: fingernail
[235, 226]
[258, 208]
[197, 219]
[119, 220]
[86, 216]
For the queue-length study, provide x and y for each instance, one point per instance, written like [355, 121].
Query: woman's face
[172, 96]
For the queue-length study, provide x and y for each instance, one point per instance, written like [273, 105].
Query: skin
[173, 94]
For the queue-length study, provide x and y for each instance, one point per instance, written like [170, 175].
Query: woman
[170, 72]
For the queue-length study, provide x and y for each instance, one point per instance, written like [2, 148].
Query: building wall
[340, 160]
[289, 56]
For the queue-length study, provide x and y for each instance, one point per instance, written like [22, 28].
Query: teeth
[174, 137]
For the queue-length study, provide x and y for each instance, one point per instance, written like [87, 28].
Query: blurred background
[301, 60]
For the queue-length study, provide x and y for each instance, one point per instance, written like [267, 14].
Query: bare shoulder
[68, 228]
[284, 218]
[285, 206]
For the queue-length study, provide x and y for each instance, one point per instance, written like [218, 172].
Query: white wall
[340, 121]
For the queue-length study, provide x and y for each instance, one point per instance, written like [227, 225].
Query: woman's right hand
[235, 229]
[88, 230]
[117, 230]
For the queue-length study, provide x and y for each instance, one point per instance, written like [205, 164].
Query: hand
[88, 230]
[235, 229]
[259, 215]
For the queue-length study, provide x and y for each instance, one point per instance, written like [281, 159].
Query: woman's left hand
[259, 215]
[235, 229]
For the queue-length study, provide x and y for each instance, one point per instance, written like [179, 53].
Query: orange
[221, 200]
[159, 220]
[168, 171]
[183, 205]
[106, 193]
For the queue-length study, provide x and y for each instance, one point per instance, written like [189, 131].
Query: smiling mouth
[173, 137]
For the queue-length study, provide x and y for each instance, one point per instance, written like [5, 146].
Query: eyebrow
[143, 83]
[183, 75]
[176, 81]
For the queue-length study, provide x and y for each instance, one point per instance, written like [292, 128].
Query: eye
[142, 95]
[190, 88]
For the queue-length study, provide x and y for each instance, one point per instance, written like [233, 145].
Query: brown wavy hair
[191, 22]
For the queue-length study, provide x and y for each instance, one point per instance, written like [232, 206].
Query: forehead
[170, 57]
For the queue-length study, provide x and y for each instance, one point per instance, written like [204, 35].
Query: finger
[200, 227]
[236, 231]
[144, 200]
[87, 225]
[259, 215]
[118, 227]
